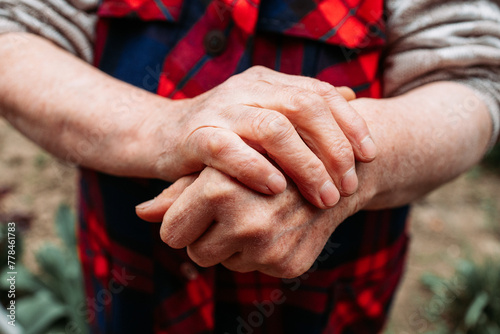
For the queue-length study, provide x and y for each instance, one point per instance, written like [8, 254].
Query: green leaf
[52, 261]
[38, 312]
[433, 283]
[65, 225]
[493, 329]
[475, 310]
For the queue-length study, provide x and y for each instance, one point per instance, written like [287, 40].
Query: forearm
[82, 115]
[430, 41]
[73, 110]
[426, 138]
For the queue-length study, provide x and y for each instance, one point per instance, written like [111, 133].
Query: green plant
[492, 159]
[41, 160]
[470, 299]
[51, 302]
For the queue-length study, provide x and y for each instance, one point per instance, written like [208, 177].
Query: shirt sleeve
[433, 40]
[68, 23]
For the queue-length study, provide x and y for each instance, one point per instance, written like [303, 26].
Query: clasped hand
[225, 214]
[304, 125]
[220, 220]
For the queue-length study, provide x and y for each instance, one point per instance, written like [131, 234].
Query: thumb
[153, 210]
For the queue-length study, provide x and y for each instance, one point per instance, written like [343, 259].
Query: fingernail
[368, 148]
[349, 182]
[329, 194]
[276, 183]
[145, 205]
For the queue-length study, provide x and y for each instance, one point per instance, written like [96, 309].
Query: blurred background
[452, 282]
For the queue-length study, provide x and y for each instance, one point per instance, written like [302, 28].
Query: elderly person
[274, 167]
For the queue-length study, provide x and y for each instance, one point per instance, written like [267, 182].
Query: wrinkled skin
[209, 214]
[305, 125]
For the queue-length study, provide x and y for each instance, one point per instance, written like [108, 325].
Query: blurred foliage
[53, 300]
[492, 159]
[474, 173]
[491, 215]
[470, 300]
[41, 160]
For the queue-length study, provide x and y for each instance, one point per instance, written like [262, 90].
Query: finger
[346, 92]
[224, 150]
[277, 135]
[354, 127]
[350, 122]
[312, 118]
[154, 210]
[226, 242]
[194, 210]
[348, 119]
[239, 263]
[308, 83]
[214, 246]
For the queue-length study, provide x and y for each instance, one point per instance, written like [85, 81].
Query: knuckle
[272, 258]
[216, 191]
[324, 88]
[297, 98]
[202, 256]
[272, 127]
[312, 175]
[342, 152]
[246, 168]
[310, 102]
[283, 265]
[321, 87]
[256, 76]
[257, 69]
[256, 233]
[217, 145]
[314, 168]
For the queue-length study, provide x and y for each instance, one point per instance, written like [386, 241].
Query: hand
[221, 221]
[306, 126]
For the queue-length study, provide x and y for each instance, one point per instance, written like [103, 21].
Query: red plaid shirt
[179, 49]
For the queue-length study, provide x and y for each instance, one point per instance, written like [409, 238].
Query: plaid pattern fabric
[168, 10]
[137, 284]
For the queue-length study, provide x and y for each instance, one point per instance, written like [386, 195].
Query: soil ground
[460, 220]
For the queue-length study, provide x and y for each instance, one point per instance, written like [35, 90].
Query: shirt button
[215, 42]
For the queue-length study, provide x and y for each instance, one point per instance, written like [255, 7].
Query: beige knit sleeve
[433, 40]
[68, 23]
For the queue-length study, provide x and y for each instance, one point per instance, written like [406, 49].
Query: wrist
[425, 138]
[369, 174]
[158, 136]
